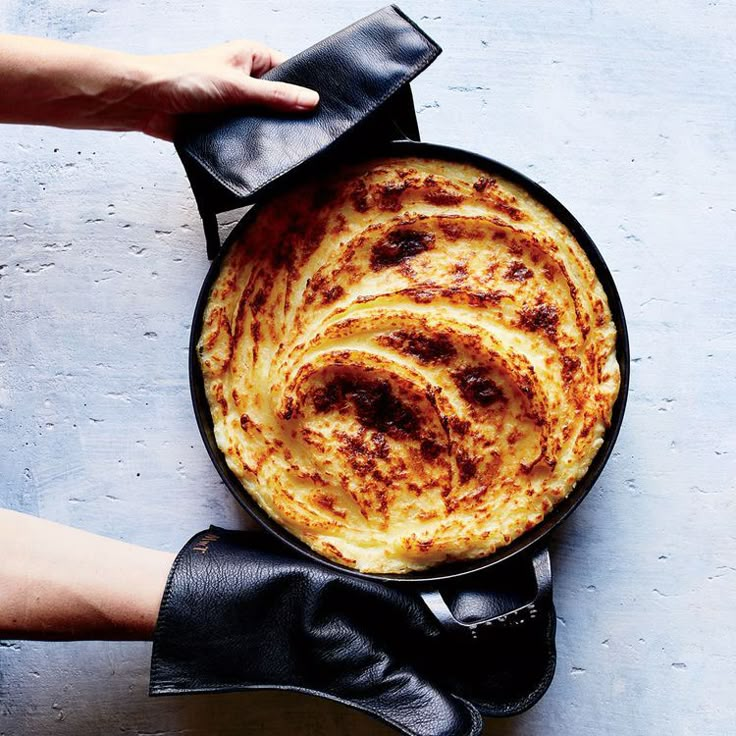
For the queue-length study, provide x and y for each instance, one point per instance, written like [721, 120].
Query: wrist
[49, 82]
[57, 582]
[122, 99]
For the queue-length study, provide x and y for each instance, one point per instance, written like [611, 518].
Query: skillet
[533, 543]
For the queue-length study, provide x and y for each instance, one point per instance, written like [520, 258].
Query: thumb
[276, 95]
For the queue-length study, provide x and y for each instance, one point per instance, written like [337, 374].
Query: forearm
[55, 83]
[49, 82]
[62, 583]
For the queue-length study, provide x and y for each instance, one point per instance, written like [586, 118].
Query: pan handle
[434, 600]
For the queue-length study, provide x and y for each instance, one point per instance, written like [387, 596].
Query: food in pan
[409, 361]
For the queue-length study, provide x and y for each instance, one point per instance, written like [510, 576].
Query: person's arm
[47, 82]
[57, 582]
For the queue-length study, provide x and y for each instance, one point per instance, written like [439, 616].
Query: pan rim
[525, 543]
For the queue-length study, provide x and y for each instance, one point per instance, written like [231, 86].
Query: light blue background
[626, 111]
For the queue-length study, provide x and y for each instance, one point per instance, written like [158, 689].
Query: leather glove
[241, 611]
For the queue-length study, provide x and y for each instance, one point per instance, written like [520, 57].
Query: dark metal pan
[532, 542]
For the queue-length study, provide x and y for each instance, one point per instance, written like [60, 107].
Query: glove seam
[161, 625]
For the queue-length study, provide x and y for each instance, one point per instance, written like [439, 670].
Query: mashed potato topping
[409, 361]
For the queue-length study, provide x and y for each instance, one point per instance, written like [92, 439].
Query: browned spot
[223, 326]
[358, 454]
[315, 284]
[425, 545]
[460, 271]
[427, 349]
[359, 196]
[340, 224]
[442, 197]
[483, 183]
[570, 367]
[381, 498]
[476, 386]
[525, 385]
[548, 272]
[430, 449]
[420, 296]
[474, 499]
[390, 196]
[380, 445]
[543, 317]
[255, 331]
[483, 298]
[244, 421]
[517, 271]
[375, 405]
[417, 491]
[515, 214]
[499, 235]
[335, 552]
[328, 502]
[406, 269]
[466, 467]
[288, 409]
[600, 315]
[587, 427]
[220, 398]
[459, 426]
[452, 230]
[325, 397]
[258, 301]
[332, 294]
[514, 436]
[398, 247]
[235, 395]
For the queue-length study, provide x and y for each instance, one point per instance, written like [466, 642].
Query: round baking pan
[532, 540]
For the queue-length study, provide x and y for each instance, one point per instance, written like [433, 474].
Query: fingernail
[306, 99]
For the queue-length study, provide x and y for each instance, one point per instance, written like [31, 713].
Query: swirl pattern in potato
[409, 361]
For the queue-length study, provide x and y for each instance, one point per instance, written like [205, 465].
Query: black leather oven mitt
[241, 611]
[362, 74]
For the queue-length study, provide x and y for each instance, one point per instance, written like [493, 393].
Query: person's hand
[211, 79]
[44, 82]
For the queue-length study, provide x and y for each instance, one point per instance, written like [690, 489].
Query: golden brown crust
[408, 362]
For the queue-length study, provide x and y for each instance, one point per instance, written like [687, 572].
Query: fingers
[278, 57]
[253, 57]
[278, 95]
[265, 59]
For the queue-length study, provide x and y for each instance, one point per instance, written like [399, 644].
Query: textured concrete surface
[624, 110]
